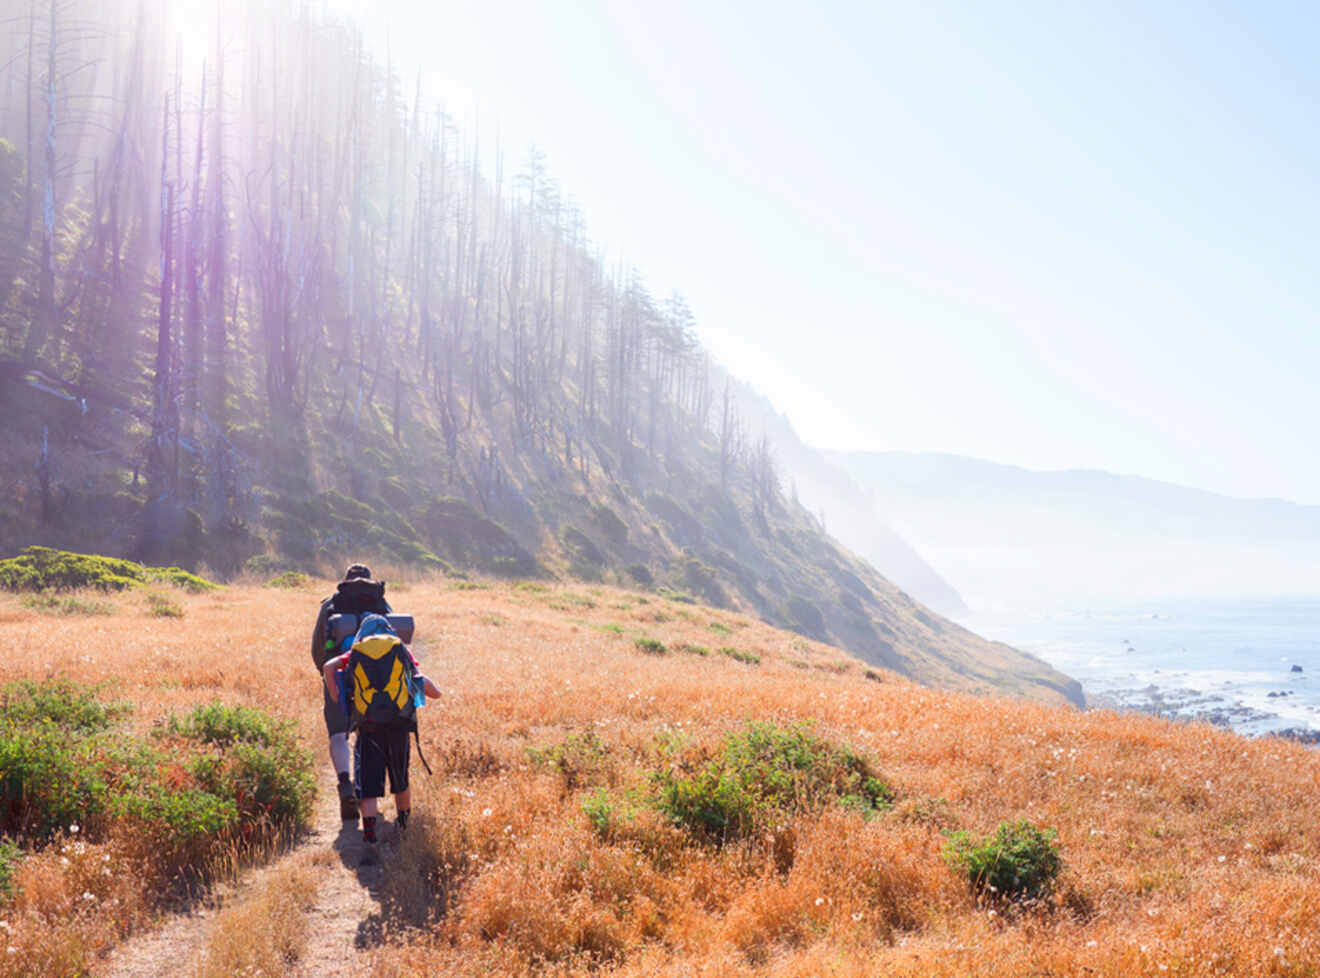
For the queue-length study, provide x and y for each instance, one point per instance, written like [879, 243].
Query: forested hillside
[266, 305]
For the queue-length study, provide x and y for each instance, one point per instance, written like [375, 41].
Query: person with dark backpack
[380, 686]
[357, 594]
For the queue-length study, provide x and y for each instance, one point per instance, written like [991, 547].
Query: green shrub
[719, 628]
[53, 604]
[651, 646]
[163, 606]
[613, 814]
[178, 816]
[765, 770]
[289, 580]
[181, 827]
[260, 767]
[738, 655]
[599, 808]
[43, 569]
[54, 772]
[579, 759]
[10, 856]
[262, 782]
[691, 649]
[264, 565]
[180, 578]
[68, 705]
[682, 597]
[641, 574]
[1019, 861]
[46, 782]
[219, 724]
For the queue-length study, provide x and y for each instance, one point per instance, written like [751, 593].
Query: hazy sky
[1052, 234]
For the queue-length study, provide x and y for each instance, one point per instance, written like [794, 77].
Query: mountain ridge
[991, 527]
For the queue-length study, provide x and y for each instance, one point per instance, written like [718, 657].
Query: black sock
[345, 784]
[369, 828]
[402, 819]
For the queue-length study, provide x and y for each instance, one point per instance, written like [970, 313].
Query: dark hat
[357, 570]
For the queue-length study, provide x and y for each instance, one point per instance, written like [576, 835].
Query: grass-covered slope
[426, 360]
[629, 785]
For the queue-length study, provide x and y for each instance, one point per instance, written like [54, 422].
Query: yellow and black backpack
[380, 679]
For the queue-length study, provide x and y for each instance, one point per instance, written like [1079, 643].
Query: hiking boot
[348, 803]
[348, 809]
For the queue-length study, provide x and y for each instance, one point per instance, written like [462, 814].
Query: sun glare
[190, 26]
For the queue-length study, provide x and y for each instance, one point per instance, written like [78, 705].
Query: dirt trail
[344, 918]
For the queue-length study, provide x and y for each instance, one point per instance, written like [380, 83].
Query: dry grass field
[1187, 850]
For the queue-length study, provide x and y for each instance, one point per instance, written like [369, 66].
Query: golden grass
[265, 932]
[1188, 850]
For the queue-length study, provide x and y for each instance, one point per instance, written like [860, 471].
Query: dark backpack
[379, 678]
[359, 596]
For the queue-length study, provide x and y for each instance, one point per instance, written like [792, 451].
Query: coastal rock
[1295, 668]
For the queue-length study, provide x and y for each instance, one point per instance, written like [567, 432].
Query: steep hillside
[554, 838]
[1010, 535]
[312, 322]
[826, 489]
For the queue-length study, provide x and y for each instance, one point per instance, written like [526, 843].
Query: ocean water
[1229, 662]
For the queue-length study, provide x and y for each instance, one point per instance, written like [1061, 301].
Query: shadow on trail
[348, 844]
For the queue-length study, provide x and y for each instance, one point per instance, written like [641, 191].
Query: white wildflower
[487, 812]
[819, 901]
[73, 829]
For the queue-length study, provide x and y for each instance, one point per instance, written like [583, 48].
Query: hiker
[382, 686]
[356, 594]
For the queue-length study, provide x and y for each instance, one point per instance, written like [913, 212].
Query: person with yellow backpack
[380, 686]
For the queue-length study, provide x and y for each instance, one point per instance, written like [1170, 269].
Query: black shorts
[336, 720]
[380, 752]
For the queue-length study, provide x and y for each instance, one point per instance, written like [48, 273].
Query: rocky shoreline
[1196, 706]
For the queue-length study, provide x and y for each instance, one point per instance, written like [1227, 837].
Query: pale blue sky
[1049, 234]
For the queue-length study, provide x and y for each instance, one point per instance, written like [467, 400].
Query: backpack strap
[420, 756]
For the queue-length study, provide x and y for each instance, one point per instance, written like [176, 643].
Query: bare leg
[403, 801]
[369, 807]
[339, 752]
